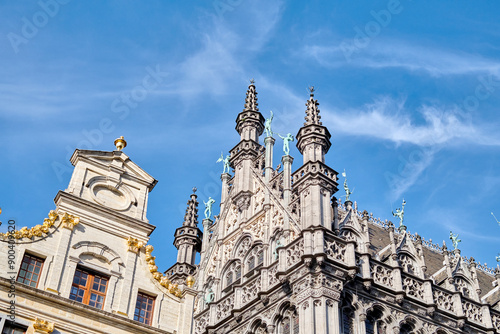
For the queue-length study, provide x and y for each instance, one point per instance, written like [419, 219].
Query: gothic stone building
[283, 256]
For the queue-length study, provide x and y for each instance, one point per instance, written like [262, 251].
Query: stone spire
[250, 122]
[251, 99]
[188, 243]
[313, 139]
[312, 111]
[191, 216]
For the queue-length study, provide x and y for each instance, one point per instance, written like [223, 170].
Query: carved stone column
[269, 142]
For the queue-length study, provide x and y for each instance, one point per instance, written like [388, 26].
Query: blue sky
[409, 90]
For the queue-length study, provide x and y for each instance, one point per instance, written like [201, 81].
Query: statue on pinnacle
[454, 240]
[348, 192]
[286, 142]
[400, 214]
[267, 125]
[208, 207]
[225, 162]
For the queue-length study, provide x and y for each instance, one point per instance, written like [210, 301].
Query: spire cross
[252, 81]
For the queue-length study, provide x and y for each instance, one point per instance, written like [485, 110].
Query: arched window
[285, 326]
[407, 328]
[407, 263]
[232, 274]
[251, 263]
[373, 322]
[346, 321]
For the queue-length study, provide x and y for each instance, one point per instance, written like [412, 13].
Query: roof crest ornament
[251, 98]
[312, 111]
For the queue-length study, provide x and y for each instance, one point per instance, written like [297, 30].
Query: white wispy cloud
[387, 53]
[387, 119]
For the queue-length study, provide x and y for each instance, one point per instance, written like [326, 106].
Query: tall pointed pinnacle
[312, 111]
[250, 122]
[313, 139]
[191, 216]
[251, 99]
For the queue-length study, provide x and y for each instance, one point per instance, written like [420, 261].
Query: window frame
[88, 288]
[37, 259]
[148, 297]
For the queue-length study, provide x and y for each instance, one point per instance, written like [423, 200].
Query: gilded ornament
[134, 245]
[190, 281]
[43, 326]
[120, 143]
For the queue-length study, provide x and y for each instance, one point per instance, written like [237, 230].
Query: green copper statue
[400, 213]
[208, 207]
[498, 258]
[225, 162]
[275, 251]
[286, 141]
[348, 191]
[267, 125]
[454, 239]
[209, 296]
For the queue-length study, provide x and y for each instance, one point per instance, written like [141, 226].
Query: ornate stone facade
[286, 257]
[88, 268]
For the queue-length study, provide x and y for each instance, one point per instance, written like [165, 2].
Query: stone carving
[413, 288]
[443, 300]
[273, 280]
[472, 311]
[201, 324]
[335, 250]
[225, 163]
[312, 111]
[495, 319]
[294, 253]
[250, 291]
[208, 207]
[224, 307]
[382, 275]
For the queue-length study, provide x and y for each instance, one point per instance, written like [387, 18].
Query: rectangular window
[13, 328]
[144, 308]
[30, 270]
[89, 288]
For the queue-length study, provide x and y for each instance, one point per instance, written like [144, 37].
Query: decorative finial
[454, 240]
[312, 111]
[348, 191]
[190, 281]
[194, 190]
[251, 98]
[120, 143]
